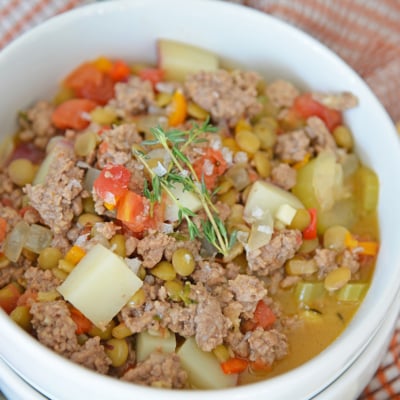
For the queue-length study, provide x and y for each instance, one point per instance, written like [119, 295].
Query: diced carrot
[368, 248]
[70, 114]
[3, 229]
[259, 365]
[311, 231]
[234, 365]
[103, 64]
[89, 82]
[210, 167]
[303, 162]
[136, 213]
[9, 296]
[75, 254]
[154, 75]
[179, 109]
[83, 325]
[119, 71]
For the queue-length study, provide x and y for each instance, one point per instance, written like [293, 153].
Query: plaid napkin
[365, 33]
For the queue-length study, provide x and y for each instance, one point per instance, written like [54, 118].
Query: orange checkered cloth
[365, 33]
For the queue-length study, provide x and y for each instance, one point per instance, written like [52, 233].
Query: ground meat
[326, 261]
[11, 194]
[233, 311]
[266, 346]
[133, 97]
[40, 280]
[284, 176]
[282, 247]
[350, 260]
[31, 216]
[152, 247]
[209, 273]
[227, 96]
[116, 145]
[161, 370]
[236, 340]
[181, 319]
[55, 197]
[211, 325]
[248, 291]
[54, 326]
[11, 215]
[292, 146]
[282, 93]
[106, 229]
[341, 101]
[92, 355]
[36, 124]
[130, 245]
[319, 134]
[137, 320]
[11, 273]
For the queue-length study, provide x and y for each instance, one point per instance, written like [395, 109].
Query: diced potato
[187, 199]
[177, 60]
[147, 343]
[100, 285]
[203, 368]
[266, 197]
[319, 182]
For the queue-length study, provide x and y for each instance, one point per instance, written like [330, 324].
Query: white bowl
[32, 66]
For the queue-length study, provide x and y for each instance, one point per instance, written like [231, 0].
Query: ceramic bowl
[32, 66]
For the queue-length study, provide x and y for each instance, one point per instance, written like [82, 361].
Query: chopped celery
[343, 213]
[308, 292]
[352, 292]
[203, 368]
[367, 189]
[146, 343]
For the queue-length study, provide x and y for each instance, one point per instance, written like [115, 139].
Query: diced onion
[39, 237]
[15, 241]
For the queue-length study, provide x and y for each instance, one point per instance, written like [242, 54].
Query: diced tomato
[154, 75]
[210, 167]
[311, 231]
[234, 365]
[83, 325]
[70, 114]
[9, 296]
[264, 317]
[305, 106]
[119, 71]
[112, 183]
[91, 83]
[27, 298]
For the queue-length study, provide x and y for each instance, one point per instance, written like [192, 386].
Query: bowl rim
[360, 326]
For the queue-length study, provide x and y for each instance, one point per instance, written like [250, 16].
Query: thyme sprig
[180, 170]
